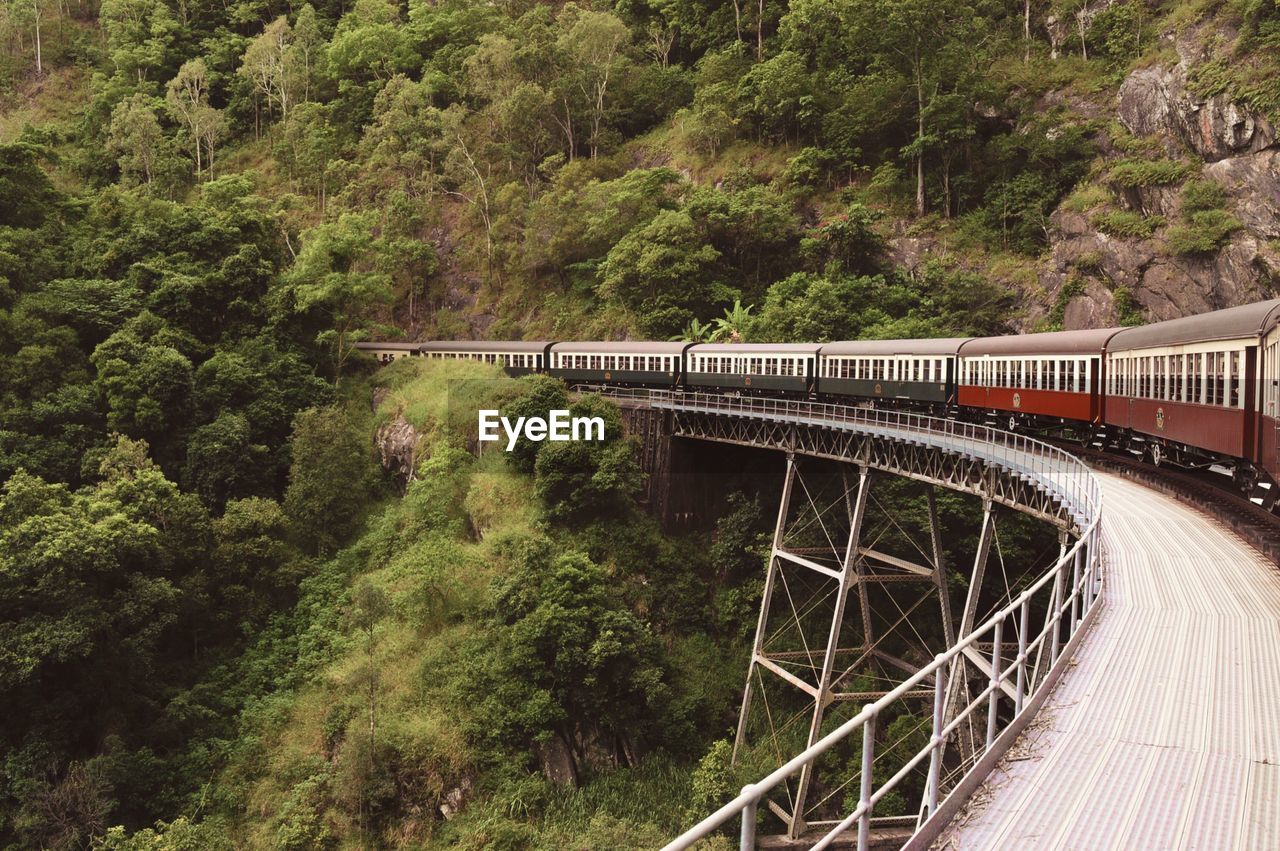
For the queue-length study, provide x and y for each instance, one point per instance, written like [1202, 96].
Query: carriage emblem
[747, 381]
[608, 377]
[1017, 400]
[1160, 418]
[877, 389]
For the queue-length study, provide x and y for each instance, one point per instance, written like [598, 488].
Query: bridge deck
[1166, 734]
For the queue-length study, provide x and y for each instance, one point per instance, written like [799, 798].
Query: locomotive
[1200, 392]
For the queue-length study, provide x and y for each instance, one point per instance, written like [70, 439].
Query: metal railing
[1065, 593]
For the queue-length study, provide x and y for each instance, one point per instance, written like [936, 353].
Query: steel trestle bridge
[1164, 731]
[994, 673]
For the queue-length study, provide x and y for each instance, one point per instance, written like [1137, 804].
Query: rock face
[1254, 182]
[1239, 147]
[1161, 284]
[1156, 101]
[397, 443]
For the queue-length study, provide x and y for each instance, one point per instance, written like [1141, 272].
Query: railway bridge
[1123, 693]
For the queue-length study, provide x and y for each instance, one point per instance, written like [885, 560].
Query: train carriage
[1055, 376]
[754, 367]
[909, 370]
[1200, 387]
[628, 363]
[516, 358]
[388, 352]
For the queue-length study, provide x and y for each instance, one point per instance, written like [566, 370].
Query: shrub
[1086, 197]
[1128, 311]
[1117, 32]
[810, 167]
[1127, 225]
[1132, 173]
[1200, 195]
[1204, 232]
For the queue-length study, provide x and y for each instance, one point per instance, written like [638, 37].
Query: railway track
[1210, 492]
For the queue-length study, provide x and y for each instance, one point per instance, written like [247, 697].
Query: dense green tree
[140, 38]
[579, 480]
[571, 663]
[27, 196]
[331, 471]
[144, 153]
[187, 98]
[542, 395]
[334, 285]
[146, 379]
[664, 271]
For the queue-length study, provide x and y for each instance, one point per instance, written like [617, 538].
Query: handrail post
[747, 841]
[864, 796]
[1055, 616]
[1076, 591]
[935, 757]
[997, 636]
[1088, 572]
[1022, 656]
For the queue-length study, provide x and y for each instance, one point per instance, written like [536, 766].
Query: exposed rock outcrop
[1110, 276]
[397, 443]
[1161, 284]
[1253, 182]
[1158, 101]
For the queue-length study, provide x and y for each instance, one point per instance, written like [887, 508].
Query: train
[1199, 392]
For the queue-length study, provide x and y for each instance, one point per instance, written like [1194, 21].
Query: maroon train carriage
[1040, 379]
[1200, 390]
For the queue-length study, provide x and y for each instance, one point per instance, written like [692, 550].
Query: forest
[224, 623]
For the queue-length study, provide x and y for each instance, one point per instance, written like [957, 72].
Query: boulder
[397, 443]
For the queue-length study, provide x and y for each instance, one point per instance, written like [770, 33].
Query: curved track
[1166, 732]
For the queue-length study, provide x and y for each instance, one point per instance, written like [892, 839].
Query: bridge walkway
[1166, 731]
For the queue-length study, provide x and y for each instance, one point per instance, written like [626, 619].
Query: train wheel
[1246, 478]
[1013, 423]
[1157, 454]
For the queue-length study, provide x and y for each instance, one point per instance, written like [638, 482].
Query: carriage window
[594, 361]
[1234, 398]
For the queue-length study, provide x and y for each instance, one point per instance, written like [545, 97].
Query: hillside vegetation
[219, 612]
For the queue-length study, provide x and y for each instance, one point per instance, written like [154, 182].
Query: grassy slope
[297, 765]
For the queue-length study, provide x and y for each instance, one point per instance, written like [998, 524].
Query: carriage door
[1270, 379]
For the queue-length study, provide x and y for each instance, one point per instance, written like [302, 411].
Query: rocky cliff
[1182, 212]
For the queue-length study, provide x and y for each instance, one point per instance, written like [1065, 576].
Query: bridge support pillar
[815, 640]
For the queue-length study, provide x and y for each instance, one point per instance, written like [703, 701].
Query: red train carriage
[1044, 378]
[1201, 388]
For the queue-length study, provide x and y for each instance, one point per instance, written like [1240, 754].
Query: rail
[1029, 664]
